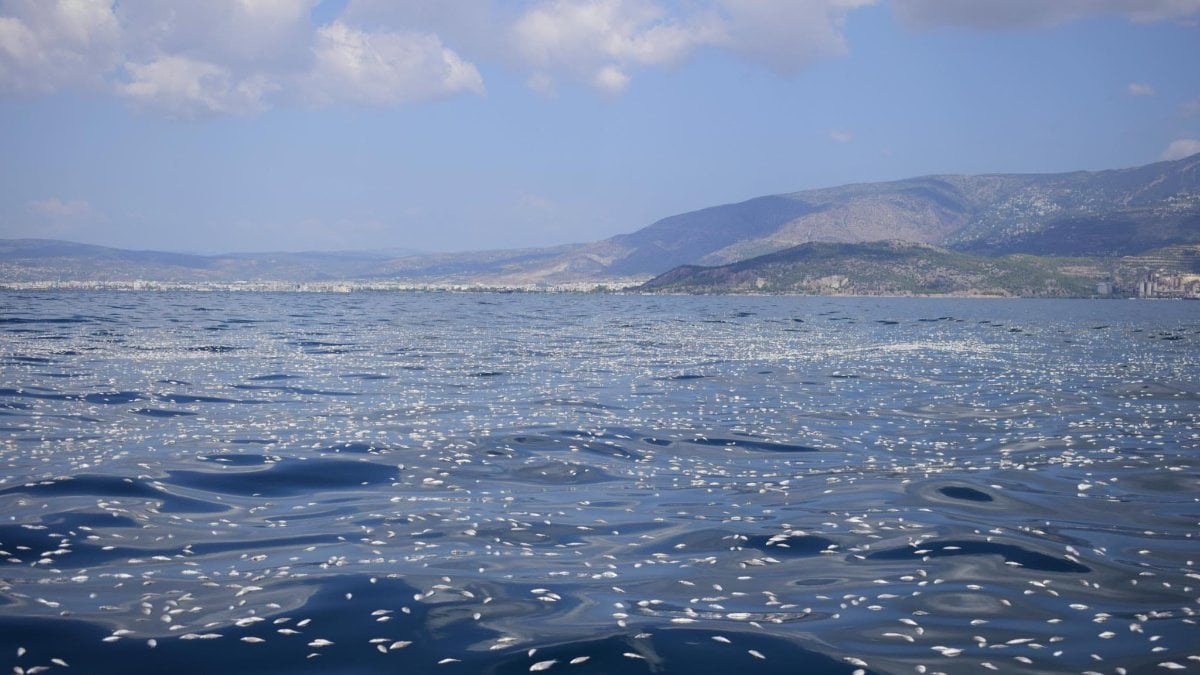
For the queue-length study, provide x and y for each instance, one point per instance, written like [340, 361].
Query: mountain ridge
[986, 214]
[1109, 213]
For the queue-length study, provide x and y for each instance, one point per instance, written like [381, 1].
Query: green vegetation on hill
[888, 268]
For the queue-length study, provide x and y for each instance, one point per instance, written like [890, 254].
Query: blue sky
[448, 125]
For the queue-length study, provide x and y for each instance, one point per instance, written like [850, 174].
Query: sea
[246, 482]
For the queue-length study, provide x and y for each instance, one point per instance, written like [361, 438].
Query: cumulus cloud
[785, 35]
[185, 88]
[385, 68]
[190, 58]
[1140, 89]
[253, 34]
[588, 41]
[240, 57]
[601, 42]
[46, 45]
[220, 57]
[610, 80]
[597, 40]
[1008, 14]
[1180, 148]
[475, 28]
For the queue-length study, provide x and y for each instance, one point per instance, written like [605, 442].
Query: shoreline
[607, 287]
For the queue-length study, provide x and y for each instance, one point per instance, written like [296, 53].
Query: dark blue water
[265, 483]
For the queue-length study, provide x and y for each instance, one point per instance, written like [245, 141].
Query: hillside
[1104, 214]
[24, 260]
[887, 268]
[44, 259]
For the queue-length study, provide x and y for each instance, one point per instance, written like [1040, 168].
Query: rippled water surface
[217, 482]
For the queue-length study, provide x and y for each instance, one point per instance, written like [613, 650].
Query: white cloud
[47, 45]
[217, 57]
[385, 68]
[610, 80]
[597, 40]
[841, 136]
[1141, 89]
[579, 32]
[191, 59]
[257, 34]
[1036, 13]
[785, 35]
[186, 88]
[601, 41]
[476, 28]
[1180, 148]
[220, 57]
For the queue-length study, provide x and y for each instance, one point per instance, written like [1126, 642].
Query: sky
[451, 125]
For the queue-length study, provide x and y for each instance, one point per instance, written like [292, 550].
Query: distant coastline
[1119, 233]
[138, 286]
[581, 288]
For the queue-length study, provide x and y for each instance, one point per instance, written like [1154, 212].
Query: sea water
[507, 483]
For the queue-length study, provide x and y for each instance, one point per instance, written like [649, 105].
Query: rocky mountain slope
[1104, 213]
[1123, 212]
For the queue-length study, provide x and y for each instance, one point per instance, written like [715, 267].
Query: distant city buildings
[1167, 285]
[1169, 272]
[611, 286]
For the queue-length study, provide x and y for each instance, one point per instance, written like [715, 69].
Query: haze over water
[214, 482]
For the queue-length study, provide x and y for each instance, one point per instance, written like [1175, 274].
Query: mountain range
[1094, 215]
[1107, 213]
